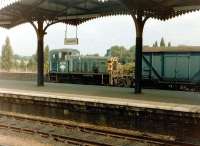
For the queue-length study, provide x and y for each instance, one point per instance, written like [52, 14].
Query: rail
[157, 140]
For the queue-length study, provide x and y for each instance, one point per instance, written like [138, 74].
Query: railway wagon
[174, 67]
[67, 65]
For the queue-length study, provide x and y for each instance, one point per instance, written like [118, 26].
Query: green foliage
[115, 51]
[124, 55]
[7, 56]
[169, 44]
[32, 64]
[132, 54]
[46, 59]
[155, 45]
[15, 64]
[22, 65]
[96, 54]
[162, 42]
[128, 68]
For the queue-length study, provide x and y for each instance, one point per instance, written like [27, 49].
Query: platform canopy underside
[78, 11]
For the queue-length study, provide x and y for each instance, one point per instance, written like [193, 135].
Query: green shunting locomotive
[67, 65]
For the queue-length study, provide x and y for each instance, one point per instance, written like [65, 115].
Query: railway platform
[150, 98]
[173, 113]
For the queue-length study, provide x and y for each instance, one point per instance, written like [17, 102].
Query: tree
[46, 59]
[22, 65]
[31, 66]
[7, 56]
[124, 55]
[132, 54]
[156, 44]
[15, 64]
[162, 43]
[95, 54]
[117, 51]
[32, 63]
[169, 44]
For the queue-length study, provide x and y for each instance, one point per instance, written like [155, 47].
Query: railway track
[111, 133]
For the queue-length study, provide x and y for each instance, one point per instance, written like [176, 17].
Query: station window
[65, 57]
[54, 56]
[60, 55]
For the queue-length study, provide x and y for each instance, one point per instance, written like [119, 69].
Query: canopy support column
[40, 30]
[139, 25]
[40, 54]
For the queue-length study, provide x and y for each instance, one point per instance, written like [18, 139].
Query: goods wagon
[177, 67]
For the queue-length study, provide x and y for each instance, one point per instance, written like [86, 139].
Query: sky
[96, 36]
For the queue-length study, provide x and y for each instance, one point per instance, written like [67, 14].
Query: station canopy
[78, 11]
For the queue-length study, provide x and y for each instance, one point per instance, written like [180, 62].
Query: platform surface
[150, 98]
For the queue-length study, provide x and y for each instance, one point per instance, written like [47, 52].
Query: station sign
[71, 41]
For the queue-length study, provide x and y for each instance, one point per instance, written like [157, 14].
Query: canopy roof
[78, 11]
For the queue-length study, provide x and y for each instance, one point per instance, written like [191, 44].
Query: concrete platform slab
[152, 99]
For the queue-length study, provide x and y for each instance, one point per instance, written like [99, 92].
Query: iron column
[139, 25]
[40, 54]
